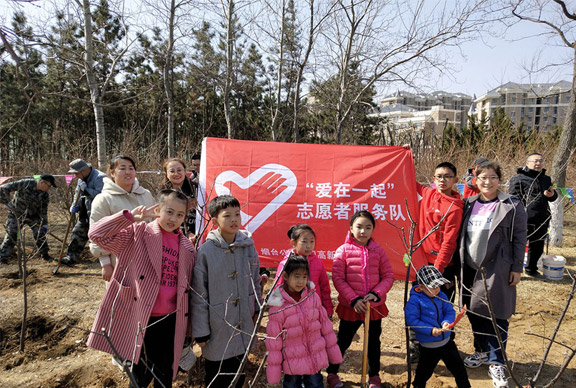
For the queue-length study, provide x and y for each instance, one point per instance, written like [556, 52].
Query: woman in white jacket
[121, 191]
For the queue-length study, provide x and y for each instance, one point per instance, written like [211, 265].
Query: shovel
[70, 222]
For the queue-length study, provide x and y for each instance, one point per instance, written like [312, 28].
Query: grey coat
[505, 254]
[225, 295]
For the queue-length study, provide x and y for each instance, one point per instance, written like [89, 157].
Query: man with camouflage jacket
[90, 184]
[28, 207]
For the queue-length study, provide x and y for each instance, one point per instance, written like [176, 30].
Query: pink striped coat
[127, 304]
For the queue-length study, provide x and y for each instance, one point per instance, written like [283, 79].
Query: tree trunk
[300, 76]
[561, 159]
[279, 75]
[229, 68]
[168, 80]
[95, 96]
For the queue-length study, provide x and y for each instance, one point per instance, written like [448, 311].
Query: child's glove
[74, 209]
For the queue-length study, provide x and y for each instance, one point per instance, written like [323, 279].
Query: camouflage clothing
[94, 184]
[38, 233]
[30, 205]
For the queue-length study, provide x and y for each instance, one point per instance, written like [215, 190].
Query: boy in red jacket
[440, 206]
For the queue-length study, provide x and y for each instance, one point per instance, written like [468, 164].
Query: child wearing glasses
[439, 206]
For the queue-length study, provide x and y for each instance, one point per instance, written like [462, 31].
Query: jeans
[485, 337]
[306, 381]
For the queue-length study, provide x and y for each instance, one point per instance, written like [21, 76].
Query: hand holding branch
[360, 304]
[436, 331]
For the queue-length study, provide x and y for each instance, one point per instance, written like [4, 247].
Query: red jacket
[127, 304]
[357, 271]
[470, 187]
[440, 245]
[317, 276]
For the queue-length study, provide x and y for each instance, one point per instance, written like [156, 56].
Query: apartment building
[539, 106]
[434, 110]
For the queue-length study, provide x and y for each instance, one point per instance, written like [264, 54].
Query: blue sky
[478, 65]
[496, 61]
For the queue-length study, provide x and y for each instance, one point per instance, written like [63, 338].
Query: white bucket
[553, 267]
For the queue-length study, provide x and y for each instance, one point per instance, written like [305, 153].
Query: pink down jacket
[318, 276]
[301, 339]
[358, 270]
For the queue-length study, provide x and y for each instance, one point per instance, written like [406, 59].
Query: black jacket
[529, 186]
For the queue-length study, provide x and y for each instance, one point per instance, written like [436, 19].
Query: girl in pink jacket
[361, 272]
[302, 238]
[145, 311]
[301, 340]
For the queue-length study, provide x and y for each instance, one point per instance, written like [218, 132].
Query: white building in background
[539, 106]
[431, 111]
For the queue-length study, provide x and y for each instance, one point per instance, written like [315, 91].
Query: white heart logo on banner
[285, 190]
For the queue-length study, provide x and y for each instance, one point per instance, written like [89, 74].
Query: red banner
[282, 184]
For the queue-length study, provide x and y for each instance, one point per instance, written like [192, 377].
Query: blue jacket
[424, 313]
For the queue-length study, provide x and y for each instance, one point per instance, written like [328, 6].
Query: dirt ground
[61, 310]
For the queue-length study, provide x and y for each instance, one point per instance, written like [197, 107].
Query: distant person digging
[90, 184]
[28, 207]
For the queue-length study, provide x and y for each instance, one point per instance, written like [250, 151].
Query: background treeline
[305, 72]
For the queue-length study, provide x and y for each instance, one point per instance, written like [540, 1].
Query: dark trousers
[346, 332]
[157, 354]
[429, 358]
[78, 239]
[536, 238]
[38, 233]
[213, 369]
[485, 337]
[306, 381]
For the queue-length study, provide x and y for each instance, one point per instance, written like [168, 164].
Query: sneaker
[47, 257]
[414, 353]
[475, 360]
[375, 382]
[498, 374]
[334, 381]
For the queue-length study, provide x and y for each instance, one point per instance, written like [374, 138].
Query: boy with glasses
[439, 206]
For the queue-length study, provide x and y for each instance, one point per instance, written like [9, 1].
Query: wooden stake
[364, 381]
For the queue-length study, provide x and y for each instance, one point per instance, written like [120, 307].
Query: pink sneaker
[334, 381]
[375, 382]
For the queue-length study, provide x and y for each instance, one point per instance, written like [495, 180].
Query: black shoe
[69, 261]
[3, 260]
[532, 272]
[47, 257]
